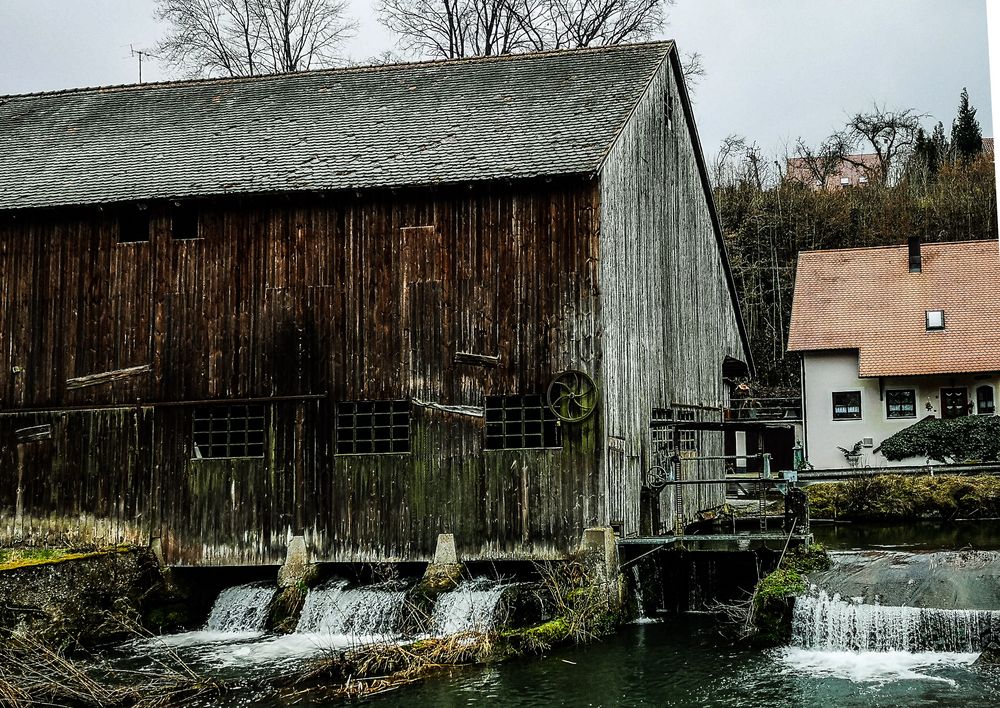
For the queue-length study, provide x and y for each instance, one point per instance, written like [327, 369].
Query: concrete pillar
[445, 571]
[297, 566]
[600, 552]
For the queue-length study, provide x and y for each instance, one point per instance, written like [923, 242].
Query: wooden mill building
[338, 304]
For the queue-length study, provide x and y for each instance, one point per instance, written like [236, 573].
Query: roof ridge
[333, 71]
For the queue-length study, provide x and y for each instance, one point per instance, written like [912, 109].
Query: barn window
[520, 422]
[184, 223]
[373, 427]
[133, 225]
[228, 431]
[847, 405]
[663, 435]
[985, 404]
[901, 404]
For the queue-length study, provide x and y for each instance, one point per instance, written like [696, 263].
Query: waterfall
[471, 607]
[827, 622]
[337, 609]
[242, 608]
[637, 596]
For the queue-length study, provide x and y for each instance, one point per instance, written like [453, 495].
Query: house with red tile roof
[889, 336]
[851, 171]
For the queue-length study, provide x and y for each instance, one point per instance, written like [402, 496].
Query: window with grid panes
[228, 431]
[663, 435]
[520, 422]
[901, 404]
[373, 427]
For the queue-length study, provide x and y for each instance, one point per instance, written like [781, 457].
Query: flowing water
[363, 611]
[891, 624]
[830, 623]
[470, 607]
[682, 661]
[241, 609]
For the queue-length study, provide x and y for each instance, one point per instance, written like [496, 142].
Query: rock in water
[991, 653]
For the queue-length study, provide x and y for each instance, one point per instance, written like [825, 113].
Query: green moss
[780, 584]
[549, 633]
[13, 558]
[807, 559]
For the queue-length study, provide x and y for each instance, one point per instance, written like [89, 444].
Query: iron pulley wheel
[657, 477]
[572, 396]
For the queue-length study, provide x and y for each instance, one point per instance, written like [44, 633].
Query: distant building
[891, 335]
[852, 171]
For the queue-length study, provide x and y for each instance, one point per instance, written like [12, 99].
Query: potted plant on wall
[853, 454]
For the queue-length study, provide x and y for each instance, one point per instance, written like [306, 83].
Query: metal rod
[163, 404]
[728, 480]
[759, 455]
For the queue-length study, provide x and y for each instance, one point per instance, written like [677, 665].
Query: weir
[338, 608]
[242, 608]
[471, 607]
[893, 601]
[831, 623]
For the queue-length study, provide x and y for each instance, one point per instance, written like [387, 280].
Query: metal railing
[764, 409]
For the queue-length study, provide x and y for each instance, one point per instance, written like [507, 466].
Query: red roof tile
[866, 299]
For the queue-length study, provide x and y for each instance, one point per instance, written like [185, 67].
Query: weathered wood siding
[668, 318]
[301, 303]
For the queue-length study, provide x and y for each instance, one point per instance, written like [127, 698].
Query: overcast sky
[776, 69]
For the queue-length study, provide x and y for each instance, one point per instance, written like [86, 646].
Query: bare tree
[890, 133]
[251, 37]
[825, 161]
[693, 69]
[463, 28]
[448, 29]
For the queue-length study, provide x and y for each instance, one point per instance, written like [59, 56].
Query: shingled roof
[509, 117]
[867, 299]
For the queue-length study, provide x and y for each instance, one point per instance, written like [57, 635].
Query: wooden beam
[107, 377]
[477, 359]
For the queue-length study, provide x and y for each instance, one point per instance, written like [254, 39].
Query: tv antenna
[141, 53]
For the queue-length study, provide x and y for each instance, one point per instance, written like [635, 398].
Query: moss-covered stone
[71, 599]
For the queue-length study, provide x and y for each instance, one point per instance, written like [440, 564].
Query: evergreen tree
[940, 142]
[966, 135]
[923, 161]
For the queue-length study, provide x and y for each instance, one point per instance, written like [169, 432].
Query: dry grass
[379, 668]
[33, 674]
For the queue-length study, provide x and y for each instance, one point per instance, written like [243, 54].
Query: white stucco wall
[826, 372]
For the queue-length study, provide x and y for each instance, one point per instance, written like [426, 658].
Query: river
[901, 649]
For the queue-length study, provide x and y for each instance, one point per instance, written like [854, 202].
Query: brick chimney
[915, 262]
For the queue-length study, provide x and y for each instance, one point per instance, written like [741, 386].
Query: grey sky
[777, 69]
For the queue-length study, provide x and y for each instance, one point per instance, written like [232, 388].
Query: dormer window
[935, 319]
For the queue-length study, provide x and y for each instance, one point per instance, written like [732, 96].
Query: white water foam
[241, 609]
[873, 667]
[471, 607]
[336, 609]
[825, 622]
